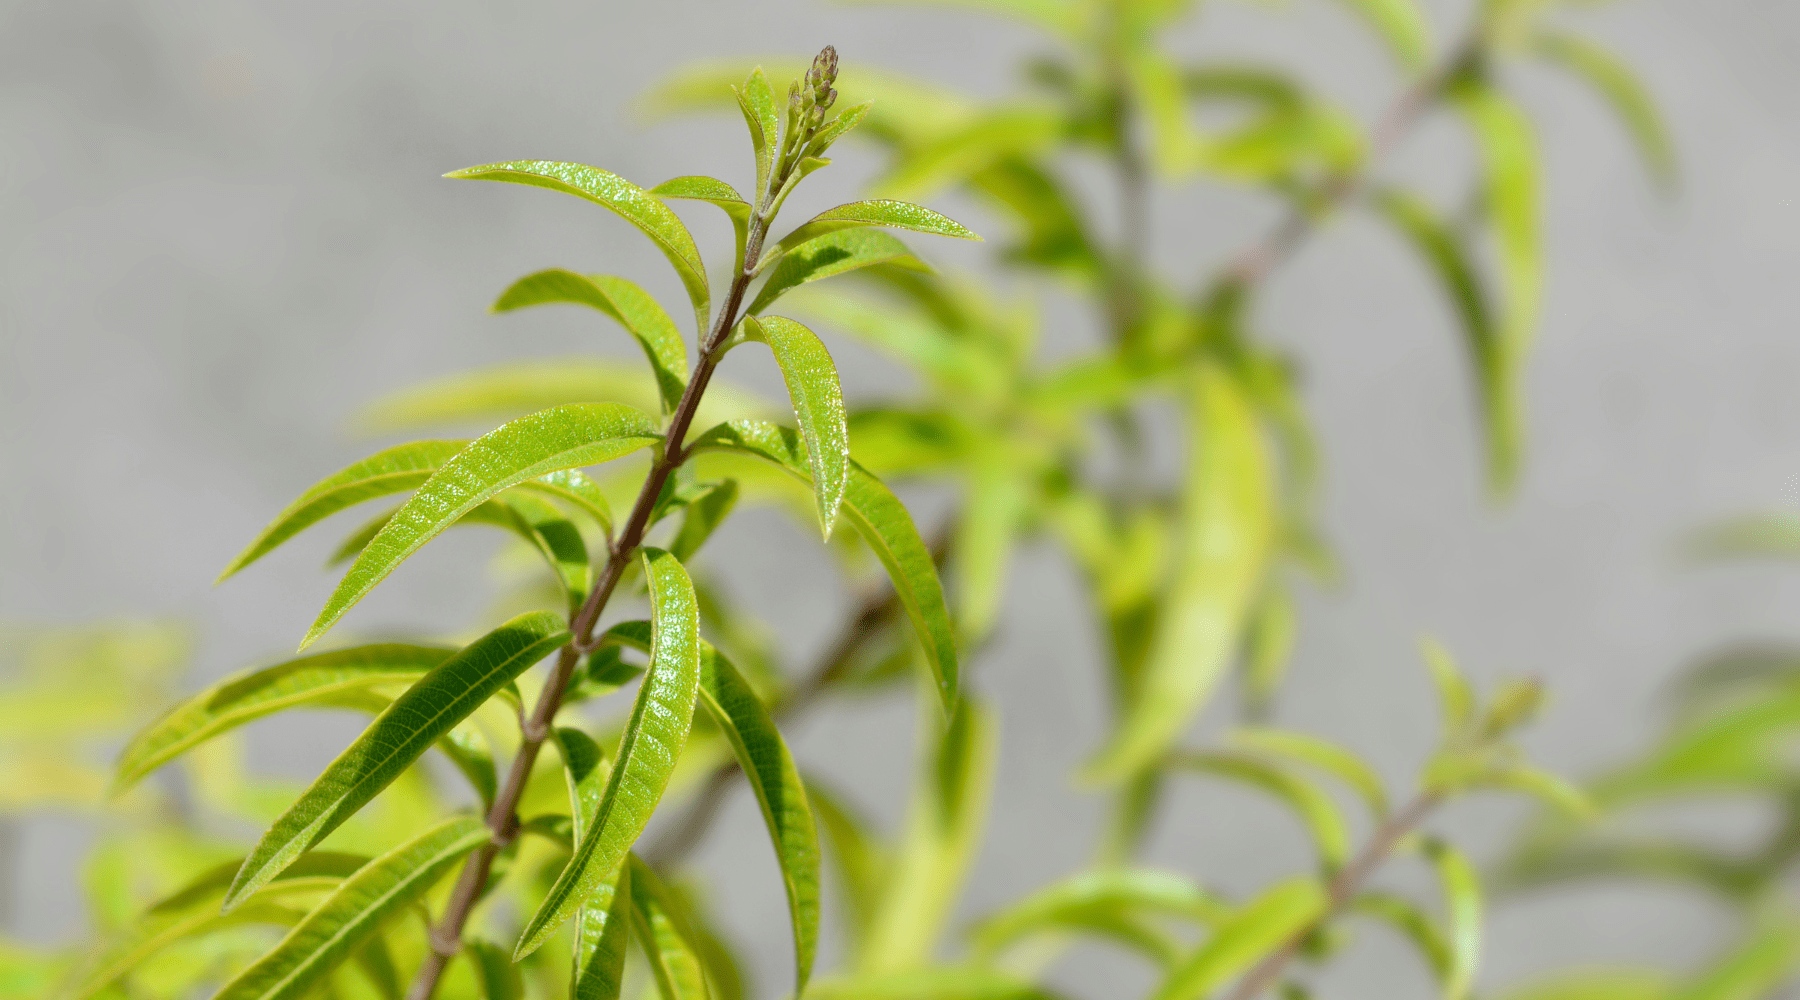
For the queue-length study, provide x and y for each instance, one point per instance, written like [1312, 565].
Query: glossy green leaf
[965, 370]
[857, 214]
[1107, 892]
[1456, 701]
[1614, 81]
[1462, 894]
[564, 437]
[769, 767]
[648, 749]
[1411, 922]
[884, 524]
[831, 255]
[1229, 533]
[940, 983]
[663, 932]
[495, 973]
[812, 383]
[1401, 26]
[622, 300]
[252, 694]
[1314, 808]
[573, 486]
[355, 911]
[719, 193]
[428, 710]
[1322, 755]
[702, 516]
[757, 101]
[402, 467]
[1273, 919]
[631, 202]
[602, 935]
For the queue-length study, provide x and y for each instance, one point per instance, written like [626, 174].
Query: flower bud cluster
[810, 97]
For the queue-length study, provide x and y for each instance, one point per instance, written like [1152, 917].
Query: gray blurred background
[223, 232]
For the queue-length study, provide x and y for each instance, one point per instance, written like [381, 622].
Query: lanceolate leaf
[1263, 925]
[1313, 806]
[601, 938]
[252, 694]
[1455, 699]
[884, 524]
[428, 710]
[1229, 532]
[1401, 25]
[1121, 892]
[664, 933]
[702, 515]
[625, 302]
[347, 918]
[402, 467]
[633, 203]
[1328, 757]
[1619, 87]
[564, 437]
[584, 766]
[540, 525]
[1462, 894]
[719, 193]
[1400, 914]
[757, 101]
[648, 749]
[893, 214]
[812, 382]
[765, 760]
[834, 254]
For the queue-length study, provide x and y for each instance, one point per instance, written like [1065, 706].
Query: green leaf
[1273, 919]
[428, 710]
[648, 749]
[703, 515]
[1596, 984]
[252, 694]
[834, 254]
[1268, 646]
[540, 525]
[757, 101]
[495, 972]
[697, 188]
[1401, 26]
[667, 939]
[1456, 702]
[943, 983]
[976, 147]
[356, 910]
[1229, 533]
[812, 383]
[1082, 899]
[835, 129]
[1619, 87]
[468, 750]
[377, 964]
[1752, 969]
[564, 437]
[602, 935]
[1551, 789]
[756, 742]
[1312, 806]
[402, 467]
[994, 511]
[1412, 923]
[574, 486]
[861, 859]
[631, 202]
[1462, 893]
[857, 214]
[884, 524]
[625, 302]
[1322, 755]
[584, 767]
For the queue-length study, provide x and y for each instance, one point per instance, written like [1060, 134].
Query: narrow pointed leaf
[631, 202]
[884, 524]
[1456, 701]
[835, 129]
[469, 752]
[584, 767]
[1321, 754]
[1312, 806]
[648, 749]
[1075, 901]
[1265, 924]
[402, 467]
[1752, 969]
[812, 383]
[702, 516]
[625, 302]
[252, 694]
[1619, 87]
[1228, 535]
[355, 911]
[757, 101]
[857, 214]
[1462, 895]
[831, 255]
[664, 933]
[1412, 923]
[564, 437]
[1401, 26]
[601, 938]
[718, 192]
[397, 738]
[769, 767]
[495, 973]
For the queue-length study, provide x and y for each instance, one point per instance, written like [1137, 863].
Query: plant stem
[1339, 894]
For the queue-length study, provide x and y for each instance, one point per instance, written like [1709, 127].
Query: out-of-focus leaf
[401, 467]
[1321, 754]
[355, 911]
[377, 965]
[1268, 644]
[1312, 806]
[724, 970]
[769, 767]
[468, 750]
[1619, 87]
[1399, 913]
[1176, 145]
[495, 973]
[667, 939]
[1229, 533]
[252, 694]
[1753, 969]
[428, 710]
[968, 151]
[1455, 700]
[861, 860]
[944, 825]
[1054, 234]
[1402, 28]
[648, 749]
[1061, 18]
[601, 938]
[890, 442]
[994, 505]
[719, 193]
[1596, 984]
[962, 368]
[1734, 879]
[625, 302]
[702, 516]
[1551, 789]
[1261, 926]
[1462, 895]
[831, 255]
[1772, 535]
[939, 983]
[632, 203]
[812, 384]
[857, 214]
[884, 524]
[564, 437]
[1105, 893]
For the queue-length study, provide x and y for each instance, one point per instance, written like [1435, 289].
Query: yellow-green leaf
[1462, 895]
[812, 383]
[602, 935]
[1314, 808]
[1619, 87]
[857, 214]
[495, 972]
[1402, 28]
[698, 188]
[1108, 892]
[757, 101]
[625, 302]
[834, 254]
[1271, 920]
[1321, 754]
[665, 936]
